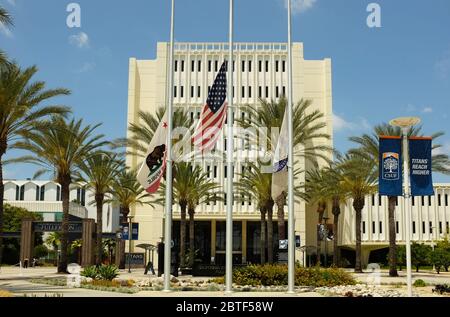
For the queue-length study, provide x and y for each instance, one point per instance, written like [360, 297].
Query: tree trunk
[270, 232]
[320, 210]
[336, 212]
[263, 236]
[2, 193]
[65, 182]
[183, 235]
[99, 197]
[281, 202]
[392, 238]
[125, 213]
[358, 205]
[191, 238]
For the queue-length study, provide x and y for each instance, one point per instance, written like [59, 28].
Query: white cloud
[12, 2]
[300, 6]
[427, 110]
[340, 124]
[80, 40]
[442, 66]
[86, 67]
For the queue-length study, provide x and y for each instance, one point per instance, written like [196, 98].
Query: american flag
[213, 113]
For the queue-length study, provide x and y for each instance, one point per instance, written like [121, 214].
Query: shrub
[90, 271]
[419, 283]
[277, 275]
[108, 272]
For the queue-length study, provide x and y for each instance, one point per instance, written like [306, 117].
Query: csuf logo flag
[390, 178]
[420, 166]
[152, 169]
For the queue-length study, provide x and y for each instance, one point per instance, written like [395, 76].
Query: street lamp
[325, 220]
[130, 239]
[405, 123]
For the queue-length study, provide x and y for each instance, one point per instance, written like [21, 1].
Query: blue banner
[125, 231]
[420, 166]
[391, 178]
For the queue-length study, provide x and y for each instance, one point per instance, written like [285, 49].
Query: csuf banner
[391, 177]
[420, 166]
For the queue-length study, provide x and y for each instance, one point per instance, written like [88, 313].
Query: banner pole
[230, 152]
[168, 203]
[407, 210]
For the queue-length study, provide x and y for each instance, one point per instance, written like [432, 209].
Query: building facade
[44, 197]
[260, 72]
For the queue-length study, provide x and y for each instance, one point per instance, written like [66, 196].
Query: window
[243, 66]
[234, 66]
[249, 66]
[259, 66]
[397, 227]
[198, 92]
[192, 66]
[215, 171]
[373, 226]
[396, 201]
[277, 92]
[225, 199]
[423, 201]
[243, 199]
[429, 200]
[373, 200]
[423, 227]
[81, 196]
[242, 170]
[243, 92]
[267, 66]
[414, 227]
[58, 193]
[379, 200]
[267, 92]
[249, 91]
[192, 91]
[176, 66]
[431, 227]
[42, 198]
[413, 200]
[380, 225]
[182, 91]
[20, 192]
[440, 227]
[175, 91]
[259, 92]
[37, 192]
[249, 200]
[216, 66]
[446, 200]
[284, 66]
[182, 66]
[209, 66]
[199, 66]
[439, 200]
[225, 171]
[276, 66]
[208, 171]
[447, 227]
[284, 91]
[364, 227]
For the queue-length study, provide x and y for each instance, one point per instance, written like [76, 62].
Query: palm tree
[317, 193]
[127, 193]
[109, 245]
[61, 147]
[77, 245]
[6, 21]
[100, 170]
[359, 179]
[201, 188]
[20, 109]
[308, 129]
[258, 186]
[54, 240]
[369, 147]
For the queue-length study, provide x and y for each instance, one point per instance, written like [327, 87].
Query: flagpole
[291, 219]
[230, 150]
[168, 204]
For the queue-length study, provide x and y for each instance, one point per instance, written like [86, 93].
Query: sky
[399, 69]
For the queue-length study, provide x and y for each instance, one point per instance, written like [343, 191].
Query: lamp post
[325, 220]
[405, 123]
[130, 239]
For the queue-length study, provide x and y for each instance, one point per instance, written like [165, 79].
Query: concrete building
[44, 197]
[260, 71]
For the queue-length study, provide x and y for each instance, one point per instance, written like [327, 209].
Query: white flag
[152, 169]
[280, 160]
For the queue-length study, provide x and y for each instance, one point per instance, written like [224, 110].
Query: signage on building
[420, 166]
[136, 258]
[390, 178]
[76, 227]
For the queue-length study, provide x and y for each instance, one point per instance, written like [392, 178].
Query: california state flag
[152, 169]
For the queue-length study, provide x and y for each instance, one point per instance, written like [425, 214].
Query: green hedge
[277, 275]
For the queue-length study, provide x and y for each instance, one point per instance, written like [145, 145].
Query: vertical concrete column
[244, 241]
[120, 253]
[213, 240]
[88, 244]
[26, 241]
